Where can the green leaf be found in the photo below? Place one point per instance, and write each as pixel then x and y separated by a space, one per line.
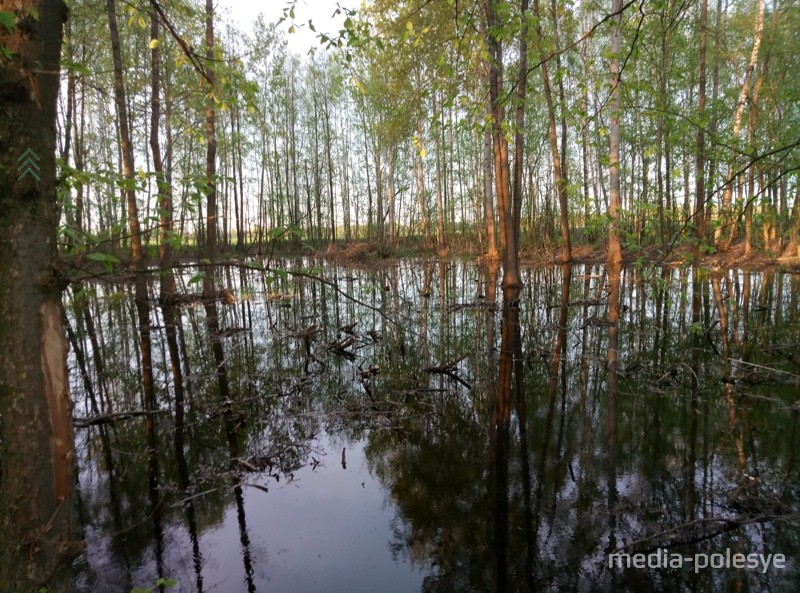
pixel 7 20
pixel 106 259
pixel 197 278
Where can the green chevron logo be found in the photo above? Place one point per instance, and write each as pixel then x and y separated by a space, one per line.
pixel 29 164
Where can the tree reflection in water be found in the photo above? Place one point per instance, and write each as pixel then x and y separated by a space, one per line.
pixel 492 444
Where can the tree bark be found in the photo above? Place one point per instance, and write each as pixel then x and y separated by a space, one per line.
pixel 391 191
pixel 36 446
pixel 441 241
pixel 488 198
pixel 558 173
pixel 508 247
pixel 614 255
pixel 699 198
pixel 741 103
pixel 519 119
pixel 211 156
pixel 329 158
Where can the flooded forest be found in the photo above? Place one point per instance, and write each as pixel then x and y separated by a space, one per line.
pixel 410 296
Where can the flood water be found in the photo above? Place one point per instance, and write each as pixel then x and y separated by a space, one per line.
pixel 410 428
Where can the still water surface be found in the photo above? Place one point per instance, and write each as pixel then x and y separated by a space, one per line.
pixel 408 428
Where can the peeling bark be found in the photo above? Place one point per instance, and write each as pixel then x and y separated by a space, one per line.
pixel 56 386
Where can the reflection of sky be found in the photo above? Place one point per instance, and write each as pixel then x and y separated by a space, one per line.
pixel 322 532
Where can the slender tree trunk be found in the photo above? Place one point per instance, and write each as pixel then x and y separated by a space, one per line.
pixel 508 248
pixel 168 286
pixel 211 157
pixel 370 213
pixel 661 129
pixel 699 204
pixel 488 198
pixel 379 191
pixel 587 196
pixel 558 173
pixel 614 249
pixel 142 301
pixel 441 240
pixel 391 190
pixel 741 103
pixel 488 189
pixel 795 236
pixel 519 120
pixel 420 182
pixel 712 161
pixel 164 190
pixel 331 196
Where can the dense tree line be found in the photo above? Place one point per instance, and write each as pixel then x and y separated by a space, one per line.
pixel 435 120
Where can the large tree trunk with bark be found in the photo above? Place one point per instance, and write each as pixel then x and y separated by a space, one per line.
pixel 36 446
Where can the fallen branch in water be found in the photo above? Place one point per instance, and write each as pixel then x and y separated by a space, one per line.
pixel 111 418
pixel 702 529
pixel 449 369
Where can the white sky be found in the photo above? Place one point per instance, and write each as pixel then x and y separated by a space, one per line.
pixel 319 11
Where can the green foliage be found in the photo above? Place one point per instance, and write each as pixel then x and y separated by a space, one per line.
pixel 197 278
pixel 108 260
pixel 8 21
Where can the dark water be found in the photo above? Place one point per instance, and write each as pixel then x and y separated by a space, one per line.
pixel 410 429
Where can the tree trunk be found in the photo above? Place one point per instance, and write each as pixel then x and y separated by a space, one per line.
pixel 164 190
pixel 739 112
pixel 662 132
pixel 37 543
pixel 488 198
pixel 614 249
pixel 699 197
pixel 558 174
pixel 329 157
pixel 370 213
pixel 508 247
pixel 420 182
pixel 141 298
pixel 379 191
pixel 795 236
pixel 519 138
pixel 391 190
pixel 211 157
pixel 441 241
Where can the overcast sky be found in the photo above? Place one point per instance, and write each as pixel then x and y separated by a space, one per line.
pixel 319 11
